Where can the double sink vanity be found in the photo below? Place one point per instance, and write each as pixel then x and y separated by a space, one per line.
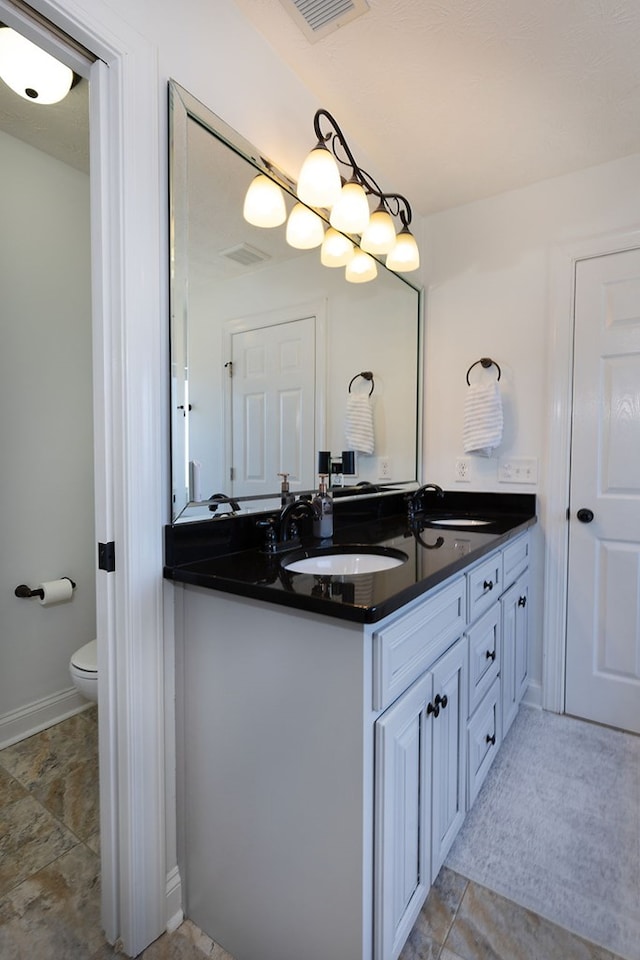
pixel 338 703
pixel 336 727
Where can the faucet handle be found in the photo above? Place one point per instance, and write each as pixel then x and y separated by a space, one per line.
pixel 268 526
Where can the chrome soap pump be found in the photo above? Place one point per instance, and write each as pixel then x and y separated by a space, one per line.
pixel 322 505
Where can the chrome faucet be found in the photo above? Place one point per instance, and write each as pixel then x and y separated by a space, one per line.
pixel 415 500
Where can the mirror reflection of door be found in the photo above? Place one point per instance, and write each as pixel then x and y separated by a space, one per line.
pixel 272 406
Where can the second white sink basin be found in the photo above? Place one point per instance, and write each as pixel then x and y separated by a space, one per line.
pixel 457 522
pixel 335 563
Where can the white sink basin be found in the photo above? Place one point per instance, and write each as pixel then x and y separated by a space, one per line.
pixel 456 522
pixel 336 564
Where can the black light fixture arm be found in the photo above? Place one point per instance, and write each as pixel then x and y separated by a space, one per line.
pixel 395 203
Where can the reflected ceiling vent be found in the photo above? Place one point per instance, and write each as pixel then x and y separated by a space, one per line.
pixel 245 254
pixel 317 18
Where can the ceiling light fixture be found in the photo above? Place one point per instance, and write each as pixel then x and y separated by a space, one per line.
pixel 31 72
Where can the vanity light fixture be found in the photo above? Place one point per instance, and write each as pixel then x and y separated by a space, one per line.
pixel 361 268
pixel 304 228
pixel 31 72
pixel 344 202
pixel 337 250
pixel 377 229
pixel 264 203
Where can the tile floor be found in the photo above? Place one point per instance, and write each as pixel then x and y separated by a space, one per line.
pixel 50 876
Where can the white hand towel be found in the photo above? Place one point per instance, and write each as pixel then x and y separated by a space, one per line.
pixel 359 423
pixel 482 431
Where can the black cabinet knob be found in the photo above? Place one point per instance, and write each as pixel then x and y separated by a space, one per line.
pixel 491 739
pixel 488 585
pixel 491 654
pixel 584 515
pixel 435 710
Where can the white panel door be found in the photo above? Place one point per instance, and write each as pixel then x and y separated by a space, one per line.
pixel 603 618
pixel 273 407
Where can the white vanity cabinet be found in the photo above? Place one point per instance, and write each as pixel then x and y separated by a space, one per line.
pixel 327 766
pixel 515 627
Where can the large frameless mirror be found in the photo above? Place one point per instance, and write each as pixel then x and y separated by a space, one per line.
pixel 268 346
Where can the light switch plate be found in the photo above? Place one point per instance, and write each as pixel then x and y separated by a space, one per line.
pixel 518 470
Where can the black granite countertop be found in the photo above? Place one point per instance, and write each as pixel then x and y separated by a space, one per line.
pixel 433 555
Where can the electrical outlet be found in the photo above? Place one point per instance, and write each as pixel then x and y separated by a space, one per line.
pixel 518 470
pixel 384 468
pixel 463 470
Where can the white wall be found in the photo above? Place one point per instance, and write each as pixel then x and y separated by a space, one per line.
pixel 490 293
pixel 46 432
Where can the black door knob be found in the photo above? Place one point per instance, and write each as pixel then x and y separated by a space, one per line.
pixel 584 515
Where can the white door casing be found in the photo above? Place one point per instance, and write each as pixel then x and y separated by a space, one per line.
pixel 603 616
pixel 273 406
pixel 130 347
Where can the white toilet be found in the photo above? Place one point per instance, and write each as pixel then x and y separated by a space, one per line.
pixel 83 668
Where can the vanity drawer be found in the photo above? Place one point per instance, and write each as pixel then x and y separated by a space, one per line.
pixel 407 646
pixel 516 557
pixel 484 585
pixel 483 740
pixel 484 655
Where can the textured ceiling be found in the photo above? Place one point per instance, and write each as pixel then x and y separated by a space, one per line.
pixel 461 99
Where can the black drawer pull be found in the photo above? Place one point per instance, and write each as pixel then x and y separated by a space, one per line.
pixel 434 710
pixel 491 654
pixel 441 701
pixel 491 739
pixel 488 585
pixel 522 602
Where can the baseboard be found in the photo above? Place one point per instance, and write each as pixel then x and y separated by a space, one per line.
pixel 533 694
pixel 174 911
pixel 37 716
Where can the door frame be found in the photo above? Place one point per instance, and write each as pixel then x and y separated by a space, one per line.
pixel 558 471
pixel 129 316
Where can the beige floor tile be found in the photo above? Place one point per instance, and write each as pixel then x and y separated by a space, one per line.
pixel 489 927
pixel 59 767
pixel 55 914
pixel 434 921
pixel 30 837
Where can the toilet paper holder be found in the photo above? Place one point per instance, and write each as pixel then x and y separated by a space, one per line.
pixel 24 591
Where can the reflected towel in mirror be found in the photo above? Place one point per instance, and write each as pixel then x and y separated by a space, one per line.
pixel 482 431
pixel 359 423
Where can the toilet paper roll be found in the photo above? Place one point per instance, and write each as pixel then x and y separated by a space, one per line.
pixel 55 591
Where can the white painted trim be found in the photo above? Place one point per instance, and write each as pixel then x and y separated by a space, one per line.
pixel 130 362
pixel 175 913
pixel 41 714
pixel 554 506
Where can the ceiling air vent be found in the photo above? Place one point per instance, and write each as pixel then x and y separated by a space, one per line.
pixel 317 18
pixel 245 254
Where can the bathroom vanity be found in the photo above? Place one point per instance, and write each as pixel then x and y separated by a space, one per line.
pixel 335 730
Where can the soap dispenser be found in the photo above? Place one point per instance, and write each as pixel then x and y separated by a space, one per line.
pixel 322 505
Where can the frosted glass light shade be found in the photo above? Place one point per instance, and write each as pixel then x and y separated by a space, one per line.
pixel 319 181
pixel 405 256
pixel 351 211
pixel 31 72
pixel 264 203
pixel 361 268
pixel 380 233
pixel 304 228
pixel 337 250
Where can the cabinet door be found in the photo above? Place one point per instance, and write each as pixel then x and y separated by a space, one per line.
pixel 448 777
pixel 402 817
pixel 515 648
